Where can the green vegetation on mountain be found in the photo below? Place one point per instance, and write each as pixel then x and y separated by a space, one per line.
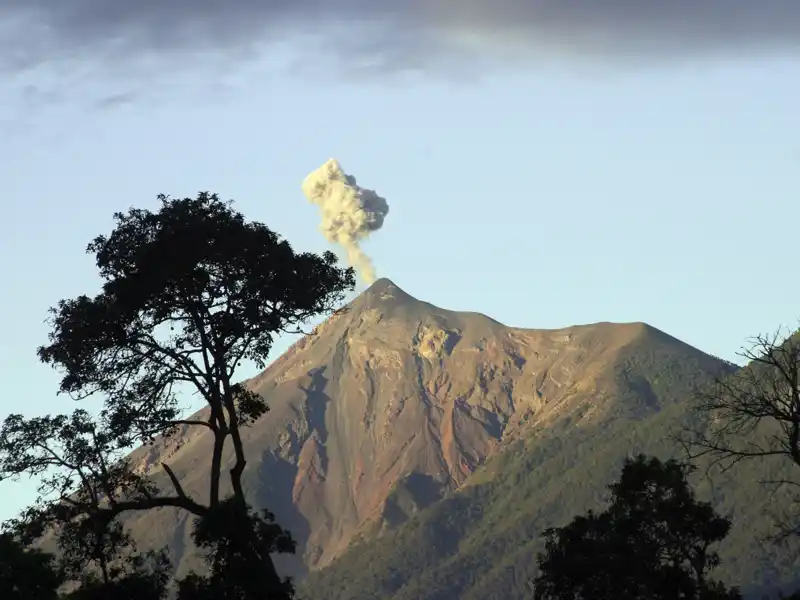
pixel 481 542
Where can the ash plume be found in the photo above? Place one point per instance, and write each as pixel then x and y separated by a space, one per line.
pixel 349 212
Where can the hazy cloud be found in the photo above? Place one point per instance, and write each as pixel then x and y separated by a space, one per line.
pixel 39 31
pixel 373 36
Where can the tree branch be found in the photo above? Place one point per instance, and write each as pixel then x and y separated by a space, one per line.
pixel 175 483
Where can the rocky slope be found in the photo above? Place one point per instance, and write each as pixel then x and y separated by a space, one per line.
pixel 393 404
pixel 481 541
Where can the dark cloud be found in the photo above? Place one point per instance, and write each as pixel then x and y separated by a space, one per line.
pixel 395 33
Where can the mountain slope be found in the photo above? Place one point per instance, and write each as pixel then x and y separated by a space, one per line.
pixel 481 541
pixel 393 404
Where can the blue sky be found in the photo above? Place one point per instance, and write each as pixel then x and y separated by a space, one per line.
pixel 544 193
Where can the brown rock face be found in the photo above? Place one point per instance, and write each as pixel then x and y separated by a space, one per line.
pixel 385 407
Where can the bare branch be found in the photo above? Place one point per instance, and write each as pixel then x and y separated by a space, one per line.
pixel 753 413
pixel 175 483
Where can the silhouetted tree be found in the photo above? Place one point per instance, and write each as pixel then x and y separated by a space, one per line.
pixel 189 292
pixel 26 574
pixel 32 574
pixel 221 534
pixel 136 577
pixel 753 412
pixel 77 461
pixel 651 543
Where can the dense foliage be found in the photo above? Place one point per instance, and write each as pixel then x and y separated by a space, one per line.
pixel 652 543
pixel 25 573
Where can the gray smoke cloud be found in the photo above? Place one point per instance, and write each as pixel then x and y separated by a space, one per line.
pixel 394 33
pixel 349 212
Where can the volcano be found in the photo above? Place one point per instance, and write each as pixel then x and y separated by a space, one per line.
pixel 393 404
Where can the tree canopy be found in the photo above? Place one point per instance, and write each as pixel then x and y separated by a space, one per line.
pixel 25 573
pixel 189 293
pixel 652 543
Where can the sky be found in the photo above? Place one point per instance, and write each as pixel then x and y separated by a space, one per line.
pixel 545 163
